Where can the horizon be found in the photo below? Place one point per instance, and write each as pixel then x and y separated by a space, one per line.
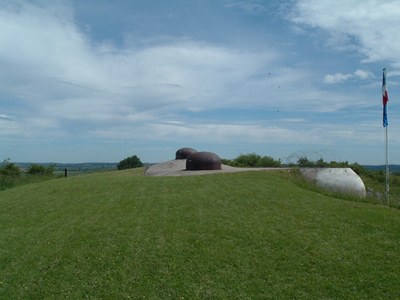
pixel 100 81
pixel 147 162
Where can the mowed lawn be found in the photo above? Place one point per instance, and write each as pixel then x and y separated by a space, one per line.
pixel 250 235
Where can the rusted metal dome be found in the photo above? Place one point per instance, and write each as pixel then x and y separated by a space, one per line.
pixel 203 161
pixel 184 153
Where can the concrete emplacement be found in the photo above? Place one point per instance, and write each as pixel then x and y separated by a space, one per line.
pixel 190 162
pixel 341 180
pixel 184 153
pixel 203 161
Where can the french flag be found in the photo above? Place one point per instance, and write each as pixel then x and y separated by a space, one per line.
pixel 385 98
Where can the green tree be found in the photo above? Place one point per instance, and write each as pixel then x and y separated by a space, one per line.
pixel 9 169
pixel 305 163
pixel 321 163
pixel 361 171
pixel 35 169
pixel 252 160
pixel 129 163
pixel 227 162
pixel 269 162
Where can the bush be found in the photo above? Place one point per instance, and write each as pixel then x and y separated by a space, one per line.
pixel 129 163
pixel 361 171
pixel 269 162
pixel 252 160
pixel 41 170
pixel 304 162
pixel 9 169
pixel 227 162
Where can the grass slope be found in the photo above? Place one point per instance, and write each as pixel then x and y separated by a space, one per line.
pixel 251 235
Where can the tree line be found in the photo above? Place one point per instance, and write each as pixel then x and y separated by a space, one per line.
pixel 10 169
pixel 252 160
pixel 10 174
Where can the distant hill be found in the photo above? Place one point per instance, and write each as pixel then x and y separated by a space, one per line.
pixel 392 168
pixel 77 165
pixel 59 165
pixel 87 167
pixel 76 168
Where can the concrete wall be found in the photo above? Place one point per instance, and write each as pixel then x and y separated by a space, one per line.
pixel 341 180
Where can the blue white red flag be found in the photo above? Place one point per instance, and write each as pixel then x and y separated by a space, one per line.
pixel 385 99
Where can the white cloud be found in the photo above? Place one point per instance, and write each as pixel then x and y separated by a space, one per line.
pixel 56 73
pixel 61 83
pixel 257 133
pixel 371 25
pixel 249 6
pixel 6 117
pixel 9 127
pixel 293 120
pixel 394 73
pixel 337 78
pixel 340 78
pixel 363 74
pixel 215 133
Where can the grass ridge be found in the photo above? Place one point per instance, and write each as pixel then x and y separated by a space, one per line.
pixel 247 235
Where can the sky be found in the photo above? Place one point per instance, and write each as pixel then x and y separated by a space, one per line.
pixel 99 80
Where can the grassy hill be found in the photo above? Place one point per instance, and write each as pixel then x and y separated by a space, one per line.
pixel 392 168
pixel 250 235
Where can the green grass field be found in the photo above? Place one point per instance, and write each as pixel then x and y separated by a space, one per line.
pixel 246 235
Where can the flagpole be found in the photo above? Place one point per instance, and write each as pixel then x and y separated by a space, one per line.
pixel 385 125
pixel 387 166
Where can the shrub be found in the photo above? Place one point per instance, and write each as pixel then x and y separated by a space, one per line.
pixel 361 171
pixel 41 170
pixel 247 160
pixel 303 162
pixel 227 162
pixel 9 169
pixel 252 160
pixel 269 162
pixel 129 163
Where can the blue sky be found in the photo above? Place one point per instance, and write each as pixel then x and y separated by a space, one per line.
pixel 97 80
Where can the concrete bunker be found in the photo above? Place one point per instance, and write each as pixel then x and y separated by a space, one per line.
pixel 184 153
pixel 203 161
pixel 341 180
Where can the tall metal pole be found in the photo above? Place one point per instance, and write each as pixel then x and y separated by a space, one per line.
pixel 387 166
pixel 385 100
